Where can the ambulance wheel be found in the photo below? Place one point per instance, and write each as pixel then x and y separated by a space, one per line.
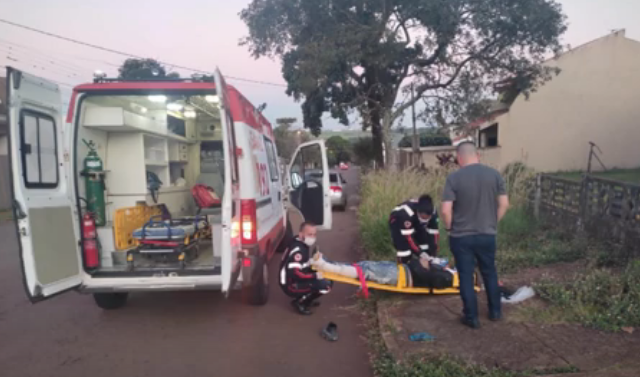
pixel 286 240
pixel 111 301
pixel 257 294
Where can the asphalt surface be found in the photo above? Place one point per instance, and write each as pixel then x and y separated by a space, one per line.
pixel 181 334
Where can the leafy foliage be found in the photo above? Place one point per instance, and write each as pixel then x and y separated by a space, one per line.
pixel 139 69
pixel 425 141
pixel 363 151
pixel 446 159
pixel 341 56
pixel 338 150
pixel 287 140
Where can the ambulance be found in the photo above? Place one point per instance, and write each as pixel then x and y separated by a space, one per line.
pixel 104 199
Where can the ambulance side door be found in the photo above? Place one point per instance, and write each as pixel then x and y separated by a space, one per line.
pixel 231 243
pixel 43 209
pixel 308 183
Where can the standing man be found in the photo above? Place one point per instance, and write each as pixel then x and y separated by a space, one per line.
pixel 474 201
pixel 297 279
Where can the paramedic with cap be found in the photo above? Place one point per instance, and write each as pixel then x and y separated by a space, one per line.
pixel 414 231
pixel 297 279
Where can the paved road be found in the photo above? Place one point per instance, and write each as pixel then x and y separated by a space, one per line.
pixel 179 334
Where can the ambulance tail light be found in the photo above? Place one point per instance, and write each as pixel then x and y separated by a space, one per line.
pixel 248 222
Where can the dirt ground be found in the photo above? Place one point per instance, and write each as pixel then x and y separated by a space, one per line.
pixel 509 344
pixel 181 333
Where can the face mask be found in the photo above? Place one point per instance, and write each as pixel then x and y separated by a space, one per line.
pixel 309 241
pixel 424 221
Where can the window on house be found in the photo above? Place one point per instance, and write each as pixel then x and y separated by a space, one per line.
pixel 489 137
pixel 38 150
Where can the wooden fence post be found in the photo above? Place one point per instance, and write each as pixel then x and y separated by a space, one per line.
pixel 538 197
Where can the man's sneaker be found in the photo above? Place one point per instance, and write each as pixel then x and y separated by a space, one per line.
pixel 495 317
pixel 314 304
pixel 300 308
pixel 472 323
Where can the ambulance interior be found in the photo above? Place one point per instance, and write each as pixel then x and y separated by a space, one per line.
pixel 154 149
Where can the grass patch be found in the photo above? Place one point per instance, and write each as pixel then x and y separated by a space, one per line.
pixel 624 175
pixel 522 242
pixel 601 298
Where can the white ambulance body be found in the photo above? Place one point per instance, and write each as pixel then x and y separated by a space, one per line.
pixel 185 132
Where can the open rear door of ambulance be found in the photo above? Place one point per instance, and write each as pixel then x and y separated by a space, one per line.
pixel 231 242
pixel 308 181
pixel 42 207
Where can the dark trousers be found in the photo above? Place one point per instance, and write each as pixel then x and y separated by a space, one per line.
pixel 308 291
pixel 467 250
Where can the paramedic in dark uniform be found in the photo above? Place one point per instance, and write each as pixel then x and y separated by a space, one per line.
pixel 415 234
pixel 297 279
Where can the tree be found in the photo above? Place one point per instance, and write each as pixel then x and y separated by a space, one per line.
pixel 363 151
pixel 338 150
pixel 139 69
pixel 287 140
pixel 341 56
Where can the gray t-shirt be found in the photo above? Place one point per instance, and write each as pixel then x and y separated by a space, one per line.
pixel 474 191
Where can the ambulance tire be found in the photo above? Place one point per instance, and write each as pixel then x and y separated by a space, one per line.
pixel 286 240
pixel 257 294
pixel 111 301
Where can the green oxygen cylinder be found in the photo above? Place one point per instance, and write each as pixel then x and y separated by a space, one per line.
pixel 93 173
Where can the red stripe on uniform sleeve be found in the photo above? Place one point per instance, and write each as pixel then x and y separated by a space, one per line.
pixel 302 275
pixel 412 244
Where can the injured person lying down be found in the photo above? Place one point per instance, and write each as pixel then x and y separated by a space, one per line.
pixel 436 273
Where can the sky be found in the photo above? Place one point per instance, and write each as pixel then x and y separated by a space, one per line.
pixel 200 34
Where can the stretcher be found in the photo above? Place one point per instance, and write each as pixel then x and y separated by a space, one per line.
pixel 162 237
pixel 404 284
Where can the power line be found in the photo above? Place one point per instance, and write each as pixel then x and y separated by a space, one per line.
pixel 126 54
pixel 53 81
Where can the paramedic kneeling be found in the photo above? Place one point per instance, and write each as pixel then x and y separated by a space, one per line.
pixel 414 231
pixel 297 279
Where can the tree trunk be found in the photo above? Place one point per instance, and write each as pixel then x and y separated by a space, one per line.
pixel 387 122
pixel 377 135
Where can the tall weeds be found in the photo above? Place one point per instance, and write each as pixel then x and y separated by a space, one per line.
pixel 383 190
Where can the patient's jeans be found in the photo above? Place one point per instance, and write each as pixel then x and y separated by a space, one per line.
pixel 467 250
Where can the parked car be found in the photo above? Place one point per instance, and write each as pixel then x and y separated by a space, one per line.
pixel 154 127
pixel 337 187
pixel 344 166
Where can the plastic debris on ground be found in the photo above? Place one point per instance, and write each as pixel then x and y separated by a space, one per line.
pixel 522 294
pixel 421 337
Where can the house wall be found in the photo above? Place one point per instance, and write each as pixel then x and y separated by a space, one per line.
pixel 488 156
pixel 595 98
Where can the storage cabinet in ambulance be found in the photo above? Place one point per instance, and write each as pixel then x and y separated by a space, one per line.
pixel 107 203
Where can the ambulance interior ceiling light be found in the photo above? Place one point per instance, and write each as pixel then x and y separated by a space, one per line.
pixel 138 108
pixel 212 99
pixel 189 114
pixel 174 106
pixel 158 99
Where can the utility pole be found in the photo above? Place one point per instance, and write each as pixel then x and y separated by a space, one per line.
pixel 415 142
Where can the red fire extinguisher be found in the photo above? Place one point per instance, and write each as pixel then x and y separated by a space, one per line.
pixel 90 241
